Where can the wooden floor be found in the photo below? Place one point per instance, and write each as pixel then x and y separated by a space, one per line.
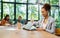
pixel 25 34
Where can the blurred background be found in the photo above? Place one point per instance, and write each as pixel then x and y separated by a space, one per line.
pixel 28 9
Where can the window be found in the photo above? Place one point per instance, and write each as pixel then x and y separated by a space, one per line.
pixel 59 4
pixel 0 11
pixel 43 1
pixel 8 0
pixel 21 1
pixel 28 9
pixel 54 2
pixel 40 12
pixel 33 12
pixel 54 12
pixel 8 9
pixel 21 11
pixel 32 1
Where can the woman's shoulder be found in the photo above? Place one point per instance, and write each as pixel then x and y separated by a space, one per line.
pixel 51 18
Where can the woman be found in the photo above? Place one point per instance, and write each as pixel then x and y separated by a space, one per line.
pixel 5 20
pixel 47 23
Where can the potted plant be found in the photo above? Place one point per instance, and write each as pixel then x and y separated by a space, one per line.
pixel 57 30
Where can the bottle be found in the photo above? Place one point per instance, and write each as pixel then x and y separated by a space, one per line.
pixel 18 25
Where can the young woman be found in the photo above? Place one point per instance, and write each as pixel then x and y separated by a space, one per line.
pixel 47 23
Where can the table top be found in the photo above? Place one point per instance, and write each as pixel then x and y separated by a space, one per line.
pixel 13 32
pixel 26 34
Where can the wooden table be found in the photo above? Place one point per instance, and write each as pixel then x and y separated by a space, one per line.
pixel 25 34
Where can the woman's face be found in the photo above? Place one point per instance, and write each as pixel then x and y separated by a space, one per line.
pixel 44 12
pixel 8 18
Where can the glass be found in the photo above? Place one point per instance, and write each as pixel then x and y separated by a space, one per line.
pixel 40 12
pixel 21 11
pixel 54 2
pixel 58 20
pixel 59 3
pixel 55 12
pixel 32 1
pixel 8 0
pixel 33 12
pixel 43 1
pixel 8 9
pixel 21 1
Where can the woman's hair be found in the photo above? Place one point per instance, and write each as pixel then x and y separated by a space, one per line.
pixel 6 17
pixel 20 16
pixel 47 7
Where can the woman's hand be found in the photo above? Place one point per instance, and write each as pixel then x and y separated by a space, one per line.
pixel 40 29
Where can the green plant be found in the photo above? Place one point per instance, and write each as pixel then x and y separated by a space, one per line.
pixel 58 23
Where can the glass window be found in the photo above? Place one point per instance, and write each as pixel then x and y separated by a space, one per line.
pixel 32 1
pixel 54 2
pixel 0 11
pixel 8 0
pixel 8 9
pixel 21 11
pixel 33 12
pixel 54 12
pixel 59 3
pixel 21 1
pixel 43 1
pixel 40 11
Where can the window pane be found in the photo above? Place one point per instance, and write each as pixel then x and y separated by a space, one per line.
pixel 21 1
pixel 54 12
pixel 8 9
pixel 43 1
pixel 54 2
pixel 0 11
pixel 33 12
pixel 59 15
pixel 59 3
pixel 32 1
pixel 40 12
pixel 21 11
pixel 8 0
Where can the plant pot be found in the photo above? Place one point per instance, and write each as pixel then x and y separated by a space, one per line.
pixel 57 31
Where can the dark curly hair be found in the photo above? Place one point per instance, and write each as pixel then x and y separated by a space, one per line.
pixel 47 7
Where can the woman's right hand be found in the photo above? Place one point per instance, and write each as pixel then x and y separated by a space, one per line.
pixel 40 29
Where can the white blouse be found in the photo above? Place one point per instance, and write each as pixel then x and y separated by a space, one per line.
pixel 44 25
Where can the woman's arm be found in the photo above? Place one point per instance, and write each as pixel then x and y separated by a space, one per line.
pixel 3 22
pixel 52 28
